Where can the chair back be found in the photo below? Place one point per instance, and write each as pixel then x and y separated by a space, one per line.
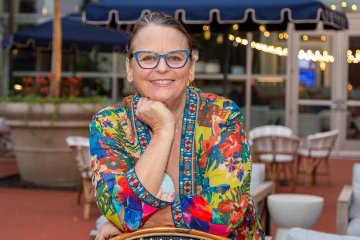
pixel 167 233
pixel 81 146
pixel 270 130
pixel 284 145
pixel 323 141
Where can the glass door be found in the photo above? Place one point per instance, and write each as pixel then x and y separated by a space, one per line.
pixel 312 91
pixel 350 106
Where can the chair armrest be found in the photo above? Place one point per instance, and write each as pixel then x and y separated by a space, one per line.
pixel 262 191
pixel 93 234
pixel 4 131
pixel 343 205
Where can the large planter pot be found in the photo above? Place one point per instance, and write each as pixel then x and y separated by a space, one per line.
pixel 38 133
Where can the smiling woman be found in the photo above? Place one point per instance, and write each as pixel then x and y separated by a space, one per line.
pixel 171 155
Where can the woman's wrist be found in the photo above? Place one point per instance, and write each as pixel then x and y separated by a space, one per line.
pixel 164 134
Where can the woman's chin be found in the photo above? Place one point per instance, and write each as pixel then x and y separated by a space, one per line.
pixel 167 99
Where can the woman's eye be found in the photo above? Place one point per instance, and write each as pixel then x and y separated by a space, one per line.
pixel 148 58
pixel 174 58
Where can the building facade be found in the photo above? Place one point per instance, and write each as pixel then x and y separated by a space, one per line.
pixel 307 80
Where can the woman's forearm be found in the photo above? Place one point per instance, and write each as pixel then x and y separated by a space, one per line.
pixel 151 166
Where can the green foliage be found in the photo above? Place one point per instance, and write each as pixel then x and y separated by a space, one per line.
pixel 32 99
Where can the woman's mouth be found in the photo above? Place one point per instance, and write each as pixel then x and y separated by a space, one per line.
pixel 162 82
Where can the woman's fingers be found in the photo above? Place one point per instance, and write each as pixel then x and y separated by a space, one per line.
pixel 107 230
pixel 154 113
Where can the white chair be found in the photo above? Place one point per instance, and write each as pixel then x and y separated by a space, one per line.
pixel 305 234
pixel 278 152
pixel 348 206
pixel 269 130
pixel 259 191
pixel 82 147
pixel 319 147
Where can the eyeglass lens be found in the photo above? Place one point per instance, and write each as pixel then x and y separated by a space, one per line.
pixel 174 59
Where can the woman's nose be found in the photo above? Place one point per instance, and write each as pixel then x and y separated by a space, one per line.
pixel 162 66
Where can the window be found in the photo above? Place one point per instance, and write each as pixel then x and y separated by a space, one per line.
pixel 27 6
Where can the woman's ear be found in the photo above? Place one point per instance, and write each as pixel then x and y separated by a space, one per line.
pixel 129 70
pixel 192 70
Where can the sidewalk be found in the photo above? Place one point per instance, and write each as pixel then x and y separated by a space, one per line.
pixel 42 214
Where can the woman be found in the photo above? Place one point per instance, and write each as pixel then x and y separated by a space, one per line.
pixel 171 155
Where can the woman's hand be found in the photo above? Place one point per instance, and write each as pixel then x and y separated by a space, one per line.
pixel 107 230
pixel 156 115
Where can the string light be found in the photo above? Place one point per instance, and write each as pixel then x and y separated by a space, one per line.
pixel 316 56
pixel 44 11
pixel 267 34
pixel 235 27
pixel 351 58
pixel 269 48
pixel 343 4
pixel 323 38
pixel 220 39
pixel 309 55
pixel 354 7
pixel 18 87
pixel 262 28
pixel 333 7
pixel 322 66
pixel 206 27
pixel 207 35
pixel 305 37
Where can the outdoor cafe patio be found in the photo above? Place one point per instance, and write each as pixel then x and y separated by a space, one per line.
pixel 40 213
pixel 32 211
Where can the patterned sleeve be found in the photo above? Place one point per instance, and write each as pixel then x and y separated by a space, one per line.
pixel 118 192
pixel 225 206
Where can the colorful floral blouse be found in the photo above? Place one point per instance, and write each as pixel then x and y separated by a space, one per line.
pixel 214 174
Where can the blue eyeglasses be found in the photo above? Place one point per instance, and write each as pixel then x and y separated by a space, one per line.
pixel 150 60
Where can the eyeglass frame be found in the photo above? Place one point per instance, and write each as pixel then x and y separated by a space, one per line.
pixel 136 54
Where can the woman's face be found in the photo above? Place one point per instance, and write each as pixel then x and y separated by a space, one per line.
pixel 162 83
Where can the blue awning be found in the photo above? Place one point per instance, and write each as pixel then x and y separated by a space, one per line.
pixel 76 36
pixel 304 13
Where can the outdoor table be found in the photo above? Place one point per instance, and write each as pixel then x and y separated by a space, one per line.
pixel 294 210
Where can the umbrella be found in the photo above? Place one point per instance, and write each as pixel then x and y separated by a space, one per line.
pixel 76 36
pixel 304 13
pixel 248 14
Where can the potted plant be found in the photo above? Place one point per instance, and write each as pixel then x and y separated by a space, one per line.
pixel 39 126
pixel 40 119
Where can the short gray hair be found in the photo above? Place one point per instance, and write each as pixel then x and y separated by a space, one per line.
pixel 160 19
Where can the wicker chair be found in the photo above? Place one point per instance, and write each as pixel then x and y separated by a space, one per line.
pixel 319 148
pixel 277 152
pixel 269 130
pixel 167 233
pixel 82 147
